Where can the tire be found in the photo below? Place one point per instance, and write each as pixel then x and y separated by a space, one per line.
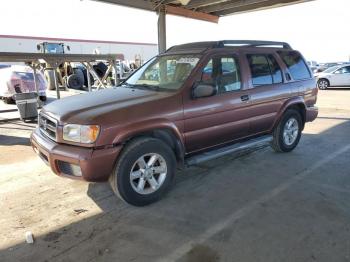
pixel 126 187
pixel 279 143
pixel 86 74
pixel 43 98
pixel 323 84
pixel 50 78
pixel 74 82
pixel 80 74
pixel 100 69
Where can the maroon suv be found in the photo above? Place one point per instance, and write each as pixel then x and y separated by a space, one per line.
pixel 193 103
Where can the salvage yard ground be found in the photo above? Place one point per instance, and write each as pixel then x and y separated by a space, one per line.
pixel 262 206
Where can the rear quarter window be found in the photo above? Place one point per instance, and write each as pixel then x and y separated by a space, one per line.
pixel 296 64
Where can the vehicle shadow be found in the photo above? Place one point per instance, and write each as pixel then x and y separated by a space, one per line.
pixel 14 140
pixel 203 195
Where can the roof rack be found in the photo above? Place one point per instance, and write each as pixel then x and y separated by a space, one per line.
pixel 203 46
pixel 254 43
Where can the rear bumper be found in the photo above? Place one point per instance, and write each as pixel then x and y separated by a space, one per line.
pixel 93 165
pixel 311 113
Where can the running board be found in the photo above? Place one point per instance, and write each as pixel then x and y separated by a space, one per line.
pixel 238 147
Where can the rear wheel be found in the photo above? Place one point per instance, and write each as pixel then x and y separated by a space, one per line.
pixel 144 171
pixel 287 134
pixel 323 84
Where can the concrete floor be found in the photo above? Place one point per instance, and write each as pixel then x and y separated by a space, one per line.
pixel 262 206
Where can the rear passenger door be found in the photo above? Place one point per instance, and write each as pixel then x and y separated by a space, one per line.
pixel 267 92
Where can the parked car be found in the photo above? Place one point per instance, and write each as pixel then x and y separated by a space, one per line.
pixel 20 79
pixel 215 99
pixel 334 76
pixel 323 66
pixel 313 66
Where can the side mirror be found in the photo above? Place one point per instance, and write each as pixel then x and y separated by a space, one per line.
pixel 68 47
pixel 203 90
pixel 38 47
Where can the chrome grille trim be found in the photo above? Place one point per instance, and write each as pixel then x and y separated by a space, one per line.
pixel 48 126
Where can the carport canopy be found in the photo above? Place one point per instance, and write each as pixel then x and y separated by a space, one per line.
pixel 207 10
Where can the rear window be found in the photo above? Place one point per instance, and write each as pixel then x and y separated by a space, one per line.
pixel 296 64
pixel 265 70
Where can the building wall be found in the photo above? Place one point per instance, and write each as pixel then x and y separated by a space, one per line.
pixel 79 46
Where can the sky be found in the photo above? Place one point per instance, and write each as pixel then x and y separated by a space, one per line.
pixel 319 29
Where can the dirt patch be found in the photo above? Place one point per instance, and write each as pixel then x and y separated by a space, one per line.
pixel 15 154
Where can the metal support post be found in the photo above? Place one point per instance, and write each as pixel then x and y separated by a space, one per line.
pixel 115 69
pixel 161 30
pixel 88 78
pixel 56 83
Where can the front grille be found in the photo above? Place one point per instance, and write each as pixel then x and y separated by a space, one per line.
pixel 48 126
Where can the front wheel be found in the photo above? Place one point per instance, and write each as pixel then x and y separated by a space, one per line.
pixel 287 134
pixel 144 171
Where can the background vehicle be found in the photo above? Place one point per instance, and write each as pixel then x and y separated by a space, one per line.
pixel 313 65
pixel 334 76
pixel 20 79
pixel 191 104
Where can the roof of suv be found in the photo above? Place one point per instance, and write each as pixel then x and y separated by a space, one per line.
pixel 199 47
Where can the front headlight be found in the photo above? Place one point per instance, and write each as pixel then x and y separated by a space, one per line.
pixel 85 134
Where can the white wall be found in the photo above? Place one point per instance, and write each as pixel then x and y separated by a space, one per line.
pixel 129 50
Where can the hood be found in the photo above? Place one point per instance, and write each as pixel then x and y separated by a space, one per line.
pixel 322 74
pixel 86 108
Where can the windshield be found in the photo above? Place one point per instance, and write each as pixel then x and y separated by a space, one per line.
pixel 54 48
pixel 164 72
pixel 331 69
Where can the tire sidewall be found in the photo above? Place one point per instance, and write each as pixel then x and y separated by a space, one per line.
pixel 126 163
pixel 288 115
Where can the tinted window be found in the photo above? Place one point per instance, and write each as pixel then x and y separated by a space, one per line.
pixel 260 69
pixel 224 73
pixel 346 70
pixel 275 70
pixel 296 64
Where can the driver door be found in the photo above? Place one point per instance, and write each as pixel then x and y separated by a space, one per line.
pixel 223 117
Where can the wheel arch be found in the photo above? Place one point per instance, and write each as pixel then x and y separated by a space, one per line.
pixel 297 104
pixel 166 132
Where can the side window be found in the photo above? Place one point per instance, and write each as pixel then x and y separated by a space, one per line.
pixel 224 73
pixel 346 70
pixel 296 64
pixel 260 69
pixel 275 70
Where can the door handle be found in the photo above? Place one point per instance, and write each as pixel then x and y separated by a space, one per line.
pixel 245 98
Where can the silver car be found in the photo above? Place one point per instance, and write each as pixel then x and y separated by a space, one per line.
pixel 334 76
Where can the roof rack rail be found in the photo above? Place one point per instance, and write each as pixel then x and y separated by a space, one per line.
pixel 255 43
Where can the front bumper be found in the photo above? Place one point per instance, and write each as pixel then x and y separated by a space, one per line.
pixel 311 113
pixel 93 165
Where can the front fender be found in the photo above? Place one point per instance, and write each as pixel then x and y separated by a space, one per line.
pixel 147 126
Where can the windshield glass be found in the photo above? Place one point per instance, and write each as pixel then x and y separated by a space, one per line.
pixel 54 48
pixel 331 69
pixel 164 72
